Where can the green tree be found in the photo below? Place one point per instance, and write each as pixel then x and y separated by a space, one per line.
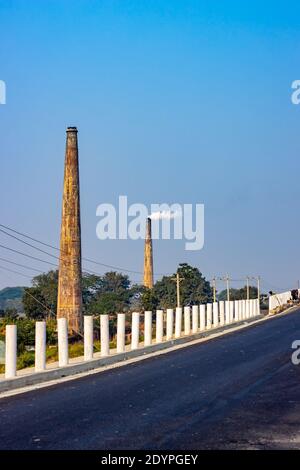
pixel 41 299
pixel 239 294
pixel 194 288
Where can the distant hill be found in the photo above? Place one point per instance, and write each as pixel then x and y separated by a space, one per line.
pixel 11 297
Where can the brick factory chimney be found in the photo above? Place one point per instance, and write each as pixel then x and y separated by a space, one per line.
pixel 69 301
pixel 148 257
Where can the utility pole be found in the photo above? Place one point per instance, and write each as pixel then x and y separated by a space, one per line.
pixel 258 288
pixel 214 289
pixel 178 280
pixel 227 279
pixel 248 291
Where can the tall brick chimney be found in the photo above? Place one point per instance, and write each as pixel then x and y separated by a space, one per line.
pixel 148 257
pixel 69 302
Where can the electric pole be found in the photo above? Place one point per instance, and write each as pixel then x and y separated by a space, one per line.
pixel 178 280
pixel 248 291
pixel 227 279
pixel 214 289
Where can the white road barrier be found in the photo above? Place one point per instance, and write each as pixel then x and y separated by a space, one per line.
pixel 202 317
pixel 40 346
pixel 178 322
pixel 148 328
pixel 170 324
pixel 222 312
pixel 227 312
pixel 62 337
pixel 135 330
pixel 215 314
pixel 187 321
pixel 208 316
pixel 10 351
pixel 195 310
pixel 198 319
pixel 121 320
pixel 236 310
pixel 159 326
pixel 88 330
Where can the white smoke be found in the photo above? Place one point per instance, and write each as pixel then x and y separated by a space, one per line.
pixel 167 215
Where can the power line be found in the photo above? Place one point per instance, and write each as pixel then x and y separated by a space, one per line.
pixel 117 268
pixel 28 256
pixel 15 272
pixel 21 265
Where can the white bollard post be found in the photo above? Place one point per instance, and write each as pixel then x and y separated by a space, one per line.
pixel 222 312
pixel 236 310
pixel 159 326
pixel 227 312
pixel 202 317
pixel 104 335
pixel 10 351
pixel 187 320
pixel 231 310
pixel 215 314
pixel 148 329
pixel 170 324
pixel 247 309
pixel 208 316
pixel 178 322
pixel 40 346
pixel 88 329
pixel 244 308
pixel 62 336
pixel 135 330
pixel 240 310
pixel 121 333
pixel 254 307
pixel 195 318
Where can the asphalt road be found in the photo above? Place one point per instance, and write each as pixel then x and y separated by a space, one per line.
pixel 240 391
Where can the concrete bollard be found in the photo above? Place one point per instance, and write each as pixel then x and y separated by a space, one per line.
pixel 88 329
pixel 170 324
pixel 202 322
pixel 236 310
pixel 104 335
pixel 240 310
pixel 231 311
pixel 244 309
pixel 121 332
pixel 254 307
pixel 227 312
pixel 195 318
pixel 247 309
pixel 40 346
pixel 178 322
pixel 187 320
pixel 222 312
pixel 208 316
pixel 258 307
pixel 135 330
pixel 148 328
pixel 159 326
pixel 62 336
pixel 10 351
pixel 215 314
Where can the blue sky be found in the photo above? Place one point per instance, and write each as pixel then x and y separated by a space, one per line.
pixel 175 101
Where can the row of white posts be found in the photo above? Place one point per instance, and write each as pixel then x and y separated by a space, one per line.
pixel 195 319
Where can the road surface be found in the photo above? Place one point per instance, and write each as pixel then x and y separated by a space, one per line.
pixel 239 391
